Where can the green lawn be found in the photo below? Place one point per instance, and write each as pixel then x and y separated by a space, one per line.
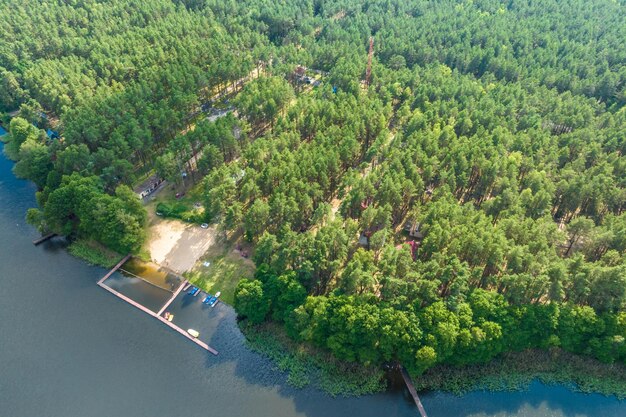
pixel 186 204
pixel 225 271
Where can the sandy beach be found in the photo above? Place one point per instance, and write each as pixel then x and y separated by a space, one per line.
pixel 177 245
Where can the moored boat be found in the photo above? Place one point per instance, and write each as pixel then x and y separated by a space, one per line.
pixel 193 332
pixel 214 301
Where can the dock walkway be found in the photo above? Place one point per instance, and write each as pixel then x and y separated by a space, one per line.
pixel 43 238
pixel 409 384
pixel 161 319
pixel 152 313
pixel 180 288
pixel 115 268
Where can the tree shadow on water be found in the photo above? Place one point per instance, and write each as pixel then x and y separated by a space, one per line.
pixel 255 370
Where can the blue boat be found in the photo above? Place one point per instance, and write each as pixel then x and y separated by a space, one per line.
pixel 207 299
pixel 214 299
pixel 193 291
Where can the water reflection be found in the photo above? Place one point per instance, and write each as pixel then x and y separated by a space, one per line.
pixel 151 273
pixel 138 290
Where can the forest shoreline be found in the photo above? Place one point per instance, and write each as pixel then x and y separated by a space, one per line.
pixel 511 371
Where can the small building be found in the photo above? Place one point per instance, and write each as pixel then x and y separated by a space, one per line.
pixel 363 240
pixel 414 245
pixel 300 71
pixel 413 228
pixel 52 134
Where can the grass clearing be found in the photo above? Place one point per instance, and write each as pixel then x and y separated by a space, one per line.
pixel 227 267
pixel 184 208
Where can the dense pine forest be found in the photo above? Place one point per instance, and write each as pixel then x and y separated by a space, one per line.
pixel 464 200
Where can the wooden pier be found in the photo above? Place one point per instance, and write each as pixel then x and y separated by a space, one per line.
pixel 172 298
pixel 187 335
pixel 43 238
pixel 412 391
pixel 115 268
pixel 128 300
pixel 146 310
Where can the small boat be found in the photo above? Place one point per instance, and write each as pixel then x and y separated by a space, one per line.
pixel 207 299
pixel 194 291
pixel 215 299
pixel 168 316
pixel 193 332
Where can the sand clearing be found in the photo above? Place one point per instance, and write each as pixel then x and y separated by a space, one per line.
pixel 177 245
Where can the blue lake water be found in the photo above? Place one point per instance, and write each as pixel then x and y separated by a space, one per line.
pixel 69 348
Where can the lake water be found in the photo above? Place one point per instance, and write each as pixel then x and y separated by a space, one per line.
pixel 68 348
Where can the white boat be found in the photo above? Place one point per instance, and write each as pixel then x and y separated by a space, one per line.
pixel 193 332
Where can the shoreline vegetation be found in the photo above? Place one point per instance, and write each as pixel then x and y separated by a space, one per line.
pixel 93 253
pixel 516 370
pixel 306 365
pixel 512 371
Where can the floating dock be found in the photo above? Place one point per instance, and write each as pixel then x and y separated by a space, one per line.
pixel 178 291
pixel 115 268
pixel 412 391
pixel 160 318
pixel 128 300
pixel 152 313
pixel 188 336
pixel 43 238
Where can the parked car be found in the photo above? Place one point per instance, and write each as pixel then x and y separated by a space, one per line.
pixel 204 225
